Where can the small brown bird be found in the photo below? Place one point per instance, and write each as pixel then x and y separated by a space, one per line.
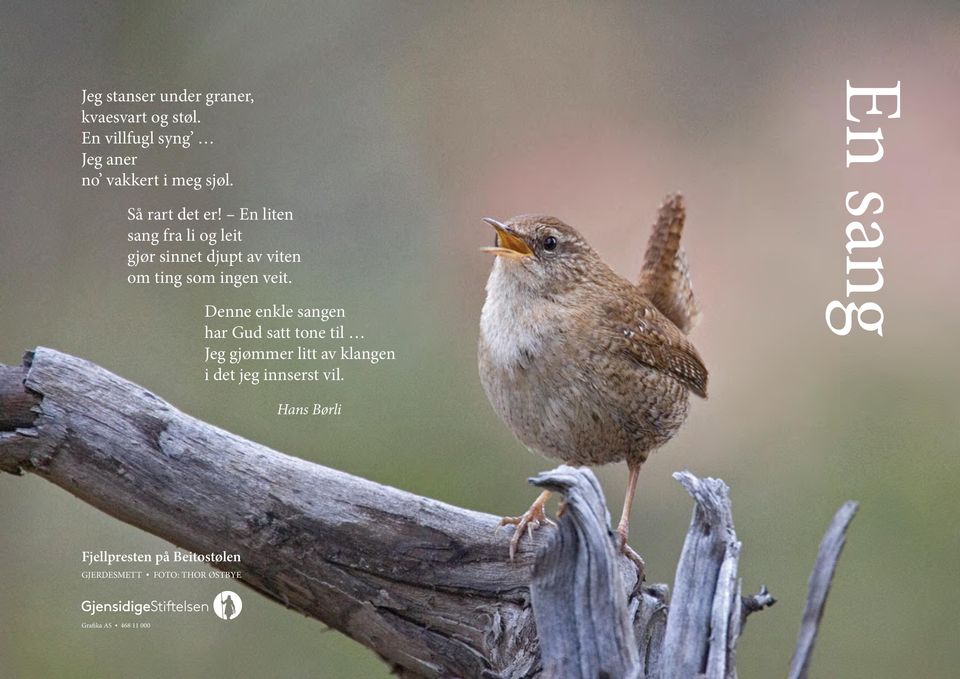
pixel 580 363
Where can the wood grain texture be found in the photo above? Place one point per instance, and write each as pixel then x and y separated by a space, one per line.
pixel 16 402
pixel 704 621
pixel 426 585
pixel 580 571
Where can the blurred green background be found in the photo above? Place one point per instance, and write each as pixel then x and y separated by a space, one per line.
pixel 390 129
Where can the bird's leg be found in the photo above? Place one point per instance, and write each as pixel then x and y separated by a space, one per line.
pixel 532 519
pixel 623 528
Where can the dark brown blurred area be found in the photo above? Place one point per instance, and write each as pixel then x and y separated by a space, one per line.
pixel 390 129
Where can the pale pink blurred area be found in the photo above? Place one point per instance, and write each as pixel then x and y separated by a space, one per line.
pixel 765 185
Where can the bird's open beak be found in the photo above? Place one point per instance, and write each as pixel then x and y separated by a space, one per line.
pixel 508 243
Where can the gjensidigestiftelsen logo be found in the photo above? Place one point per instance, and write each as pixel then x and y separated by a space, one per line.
pixel 227 605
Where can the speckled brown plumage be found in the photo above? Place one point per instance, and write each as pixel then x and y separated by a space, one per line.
pixel 580 363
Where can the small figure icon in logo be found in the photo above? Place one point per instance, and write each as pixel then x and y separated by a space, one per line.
pixel 227 605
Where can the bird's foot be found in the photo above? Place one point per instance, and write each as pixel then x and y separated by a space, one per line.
pixel 532 519
pixel 635 557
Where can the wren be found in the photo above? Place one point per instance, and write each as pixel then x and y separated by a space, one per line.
pixel 581 364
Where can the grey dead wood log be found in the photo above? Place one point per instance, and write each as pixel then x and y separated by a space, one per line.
pixel 578 594
pixel 426 585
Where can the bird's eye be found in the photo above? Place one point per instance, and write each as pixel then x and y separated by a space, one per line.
pixel 550 243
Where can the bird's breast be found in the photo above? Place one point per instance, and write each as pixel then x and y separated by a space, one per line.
pixel 511 328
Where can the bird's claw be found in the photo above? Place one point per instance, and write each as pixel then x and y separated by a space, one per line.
pixel 528 522
pixel 634 556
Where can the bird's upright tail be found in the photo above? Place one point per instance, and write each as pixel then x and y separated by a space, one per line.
pixel 665 278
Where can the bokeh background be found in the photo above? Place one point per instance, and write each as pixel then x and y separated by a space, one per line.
pixel 390 129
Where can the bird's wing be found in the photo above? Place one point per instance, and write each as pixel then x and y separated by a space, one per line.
pixel 665 278
pixel 646 335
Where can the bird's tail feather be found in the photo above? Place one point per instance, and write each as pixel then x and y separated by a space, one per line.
pixel 665 278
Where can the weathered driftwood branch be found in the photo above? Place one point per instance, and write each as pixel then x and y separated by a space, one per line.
pixel 426 585
pixel 578 596
pixel 819 586
pixel 704 621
